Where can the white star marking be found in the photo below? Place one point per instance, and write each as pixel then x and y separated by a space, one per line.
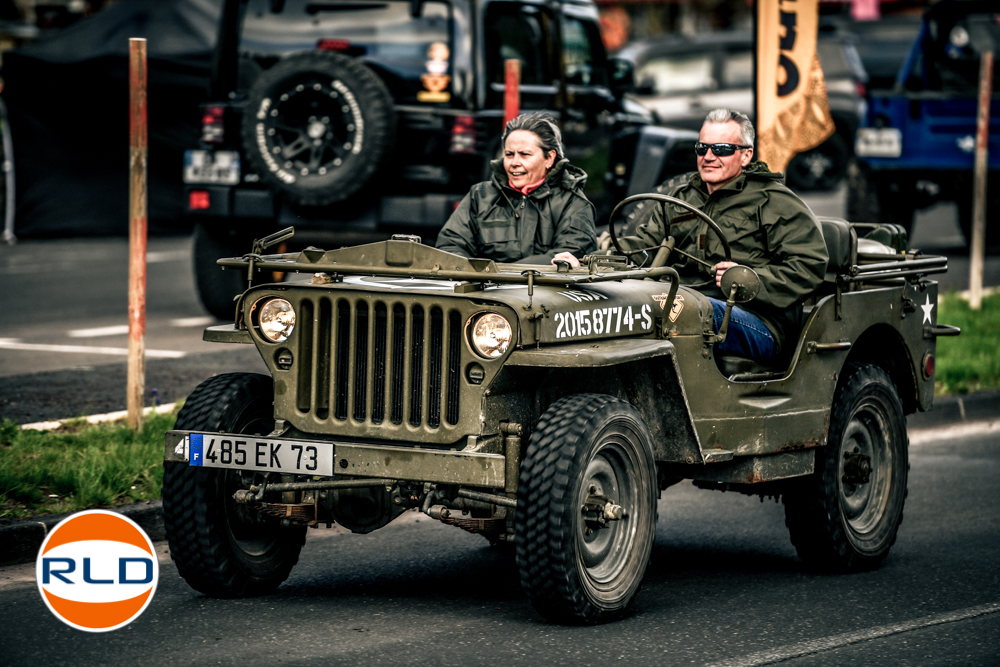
pixel 927 308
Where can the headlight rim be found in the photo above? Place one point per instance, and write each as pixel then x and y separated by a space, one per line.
pixel 471 337
pixel 257 309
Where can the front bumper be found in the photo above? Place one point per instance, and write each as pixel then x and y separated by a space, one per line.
pixel 325 458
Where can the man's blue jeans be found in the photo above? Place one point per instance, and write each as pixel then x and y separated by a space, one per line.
pixel 746 335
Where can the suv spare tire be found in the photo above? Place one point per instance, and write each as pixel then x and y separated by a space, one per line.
pixel 317 126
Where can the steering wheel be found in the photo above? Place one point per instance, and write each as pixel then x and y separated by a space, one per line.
pixel 673 200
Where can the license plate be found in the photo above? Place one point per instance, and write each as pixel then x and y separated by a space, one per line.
pixel 294 457
pixel 220 167
pixel 878 142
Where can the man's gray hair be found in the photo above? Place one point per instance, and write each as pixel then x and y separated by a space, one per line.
pixel 725 115
pixel 543 126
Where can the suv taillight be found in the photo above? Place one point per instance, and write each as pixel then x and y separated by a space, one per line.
pixel 463 135
pixel 861 89
pixel 213 130
pixel 338 45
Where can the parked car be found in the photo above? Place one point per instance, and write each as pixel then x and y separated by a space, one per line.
pixel 917 145
pixel 681 78
pixel 354 120
pixel 882 44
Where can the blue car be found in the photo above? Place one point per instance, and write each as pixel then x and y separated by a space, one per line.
pixel 917 144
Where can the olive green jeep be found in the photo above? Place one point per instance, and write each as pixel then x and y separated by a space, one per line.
pixel 545 407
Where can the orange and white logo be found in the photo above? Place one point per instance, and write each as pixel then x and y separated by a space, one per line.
pixel 97 571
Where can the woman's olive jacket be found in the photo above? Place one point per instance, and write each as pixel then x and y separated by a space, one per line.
pixel 497 222
pixel 768 228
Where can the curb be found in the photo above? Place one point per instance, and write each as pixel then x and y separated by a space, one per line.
pixel 982 406
pixel 21 540
pixel 98 419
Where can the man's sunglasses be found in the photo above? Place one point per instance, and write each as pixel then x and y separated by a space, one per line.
pixel 720 150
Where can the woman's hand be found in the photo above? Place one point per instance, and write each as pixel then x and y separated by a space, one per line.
pixel 567 257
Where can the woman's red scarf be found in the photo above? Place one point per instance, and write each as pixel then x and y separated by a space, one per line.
pixel 527 188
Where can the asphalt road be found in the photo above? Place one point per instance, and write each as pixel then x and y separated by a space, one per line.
pixel 63 339
pixel 724 588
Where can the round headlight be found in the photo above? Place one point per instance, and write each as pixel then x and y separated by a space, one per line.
pixel 491 334
pixel 276 319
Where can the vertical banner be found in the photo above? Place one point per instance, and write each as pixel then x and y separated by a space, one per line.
pixel 792 111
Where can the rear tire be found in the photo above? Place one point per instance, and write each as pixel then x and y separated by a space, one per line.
pixel 218 288
pixel 569 574
pixel 873 199
pixel 821 168
pixel 836 521
pixel 223 549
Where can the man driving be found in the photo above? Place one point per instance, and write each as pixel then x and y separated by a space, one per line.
pixel 768 229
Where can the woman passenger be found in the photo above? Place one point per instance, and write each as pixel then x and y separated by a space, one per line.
pixel 533 210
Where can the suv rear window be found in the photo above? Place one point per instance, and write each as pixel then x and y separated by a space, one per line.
pixel 384 34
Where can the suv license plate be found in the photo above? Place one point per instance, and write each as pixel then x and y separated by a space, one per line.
pixel 878 142
pixel 294 457
pixel 221 167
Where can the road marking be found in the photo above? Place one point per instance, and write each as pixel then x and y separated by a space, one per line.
pixel 159 256
pixel 192 321
pixel 122 329
pixel 956 431
pixel 116 330
pixel 15 344
pixel 792 651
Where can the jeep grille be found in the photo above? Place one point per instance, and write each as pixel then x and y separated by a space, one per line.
pixel 377 361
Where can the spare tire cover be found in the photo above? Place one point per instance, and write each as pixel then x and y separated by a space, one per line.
pixel 317 127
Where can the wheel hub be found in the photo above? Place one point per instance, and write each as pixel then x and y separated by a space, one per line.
pixel 316 129
pixel 857 468
pixel 598 510
pixel 311 130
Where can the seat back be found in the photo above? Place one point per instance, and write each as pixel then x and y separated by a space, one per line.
pixel 840 243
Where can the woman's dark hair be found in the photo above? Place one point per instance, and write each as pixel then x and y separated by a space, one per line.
pixel 543 126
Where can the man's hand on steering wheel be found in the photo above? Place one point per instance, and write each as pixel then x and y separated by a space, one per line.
pixel 719 269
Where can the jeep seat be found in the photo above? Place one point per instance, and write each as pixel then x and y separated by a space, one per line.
pixel 841 242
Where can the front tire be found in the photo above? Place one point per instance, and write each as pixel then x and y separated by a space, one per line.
pixel 572 570
pixel 223 549
pixel 846 515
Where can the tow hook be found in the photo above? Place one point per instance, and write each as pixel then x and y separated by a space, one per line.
pixel 857 468
pixel 598 510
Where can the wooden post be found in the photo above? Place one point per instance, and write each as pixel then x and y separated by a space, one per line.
pixel 978 245
pixel 512 90
pixel 137 229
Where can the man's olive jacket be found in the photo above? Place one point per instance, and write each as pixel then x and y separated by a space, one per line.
pixel 499 223
pixel 768 228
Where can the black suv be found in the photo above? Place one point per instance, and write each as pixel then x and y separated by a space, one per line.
pixel 355 120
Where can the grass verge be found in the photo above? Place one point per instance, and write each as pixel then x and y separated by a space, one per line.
pixel 969 362
pixel 79 466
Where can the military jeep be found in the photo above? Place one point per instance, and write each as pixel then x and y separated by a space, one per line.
pixel 545 408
